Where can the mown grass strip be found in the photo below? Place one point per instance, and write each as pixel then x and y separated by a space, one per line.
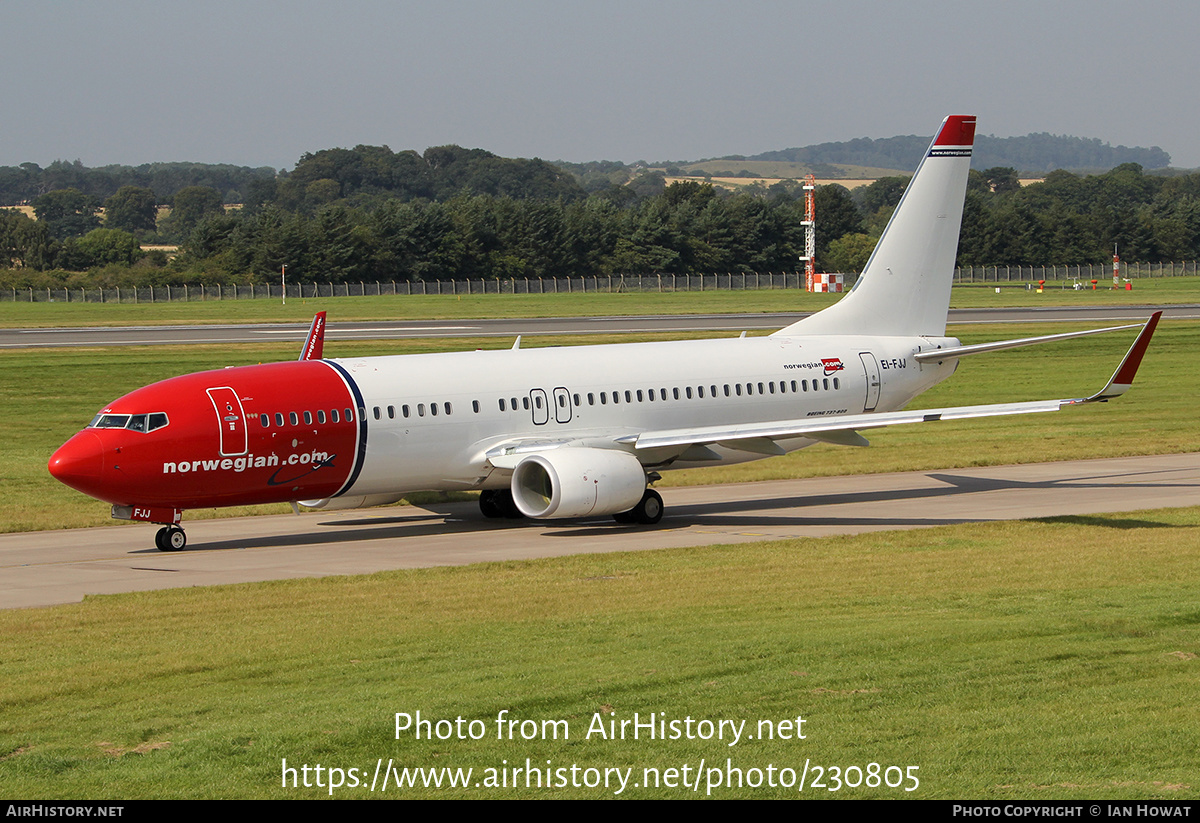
pixel 1022 660
pixel 598 304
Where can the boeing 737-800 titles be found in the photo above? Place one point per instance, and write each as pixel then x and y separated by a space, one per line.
pixel 558 432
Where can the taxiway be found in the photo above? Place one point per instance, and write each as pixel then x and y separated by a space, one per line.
pixel 46 568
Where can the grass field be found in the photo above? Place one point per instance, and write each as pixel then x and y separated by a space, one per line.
pixel 1045 659
pixel 40 315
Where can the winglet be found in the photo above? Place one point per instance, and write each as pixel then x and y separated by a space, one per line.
pixel 1122 378
pixel 314 345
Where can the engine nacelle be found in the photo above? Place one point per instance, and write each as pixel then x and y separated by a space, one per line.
pixel 579 482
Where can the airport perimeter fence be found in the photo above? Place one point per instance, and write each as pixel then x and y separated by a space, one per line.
pixel 1067 274
pixel 549 285
pixel 748 281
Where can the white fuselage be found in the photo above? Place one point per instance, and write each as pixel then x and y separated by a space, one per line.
pixel 486 398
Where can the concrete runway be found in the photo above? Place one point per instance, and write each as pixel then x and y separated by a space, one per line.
pixel 384 330
pixel 45 568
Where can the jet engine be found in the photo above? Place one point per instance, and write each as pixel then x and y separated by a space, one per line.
pixel 577 482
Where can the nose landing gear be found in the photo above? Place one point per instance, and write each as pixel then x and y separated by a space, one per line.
pixel 170 539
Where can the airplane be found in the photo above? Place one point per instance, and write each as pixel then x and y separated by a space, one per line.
pixel 562 432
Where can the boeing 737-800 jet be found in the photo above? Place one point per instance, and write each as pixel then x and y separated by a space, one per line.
pixel 558 432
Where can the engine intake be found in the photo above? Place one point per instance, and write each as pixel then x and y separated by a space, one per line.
pixel 579 482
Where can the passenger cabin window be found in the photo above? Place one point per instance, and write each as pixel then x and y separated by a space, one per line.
pixel 320 416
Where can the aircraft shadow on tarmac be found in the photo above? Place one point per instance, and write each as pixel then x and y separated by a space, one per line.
pixel 464 518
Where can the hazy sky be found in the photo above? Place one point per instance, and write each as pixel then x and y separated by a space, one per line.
pixel 260 83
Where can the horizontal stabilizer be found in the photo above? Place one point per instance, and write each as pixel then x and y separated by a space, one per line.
pixel 938 355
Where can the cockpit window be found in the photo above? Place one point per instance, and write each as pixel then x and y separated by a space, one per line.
pixel 133 422
pixel 110 421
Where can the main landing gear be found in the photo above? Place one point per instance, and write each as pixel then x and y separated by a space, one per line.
pixel 496 503
pixel 170 539
pixel 647 512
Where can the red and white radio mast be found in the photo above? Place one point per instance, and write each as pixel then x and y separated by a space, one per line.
pixel 810 230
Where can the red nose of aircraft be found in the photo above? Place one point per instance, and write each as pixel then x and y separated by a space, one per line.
pixel 79 463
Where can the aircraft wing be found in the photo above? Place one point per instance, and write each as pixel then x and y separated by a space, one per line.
pixel 761 437
pixel 507 454
pixel 840 429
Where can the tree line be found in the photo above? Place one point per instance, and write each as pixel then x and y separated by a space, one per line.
pixel 372 214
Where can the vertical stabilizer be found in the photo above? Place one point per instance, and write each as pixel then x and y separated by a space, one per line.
pixel 905 287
